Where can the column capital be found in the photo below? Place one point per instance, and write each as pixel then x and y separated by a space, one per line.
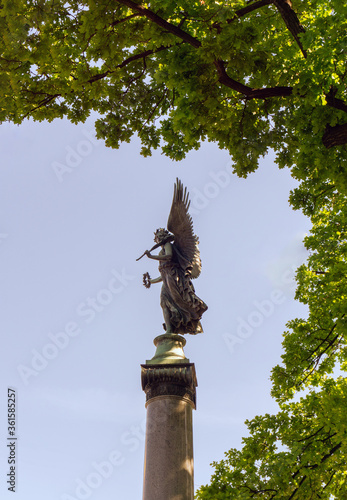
pixel 163 380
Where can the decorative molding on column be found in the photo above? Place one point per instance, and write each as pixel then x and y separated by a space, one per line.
pixel 177 380
pixel 169 350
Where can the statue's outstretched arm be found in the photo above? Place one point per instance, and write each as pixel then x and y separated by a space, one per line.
pixel 166 256
pixel 156 280
pixel 147 281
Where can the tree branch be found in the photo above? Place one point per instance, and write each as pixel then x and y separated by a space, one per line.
pixel 171 28
pixel 44 102
pixel 335 136
pixel 222 75
pixel 296 489
pixel 285 9
pixel 334 102
pixel 312 435
pixel 292 21
pixel 248 91
pixel 331 477
pixel 323 341
pixel 250 8
pixel 119 21
pixel 326 456
pixel 224 79
pixel 315 362
pixel 135 57
pixel 154 109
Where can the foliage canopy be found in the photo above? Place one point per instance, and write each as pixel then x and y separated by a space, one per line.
pixel 250 76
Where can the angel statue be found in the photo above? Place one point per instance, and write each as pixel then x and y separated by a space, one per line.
pixel 179 263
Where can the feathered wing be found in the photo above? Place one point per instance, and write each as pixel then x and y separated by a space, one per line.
pixel 180 224
pixel 196 270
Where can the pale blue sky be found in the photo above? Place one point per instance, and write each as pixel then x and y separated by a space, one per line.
pixel 74 216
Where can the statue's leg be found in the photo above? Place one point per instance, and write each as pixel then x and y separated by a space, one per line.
pixel 166 314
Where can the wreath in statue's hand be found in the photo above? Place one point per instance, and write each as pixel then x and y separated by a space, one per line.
pixel 146 280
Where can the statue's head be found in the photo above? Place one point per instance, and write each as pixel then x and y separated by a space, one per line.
pixel 161 235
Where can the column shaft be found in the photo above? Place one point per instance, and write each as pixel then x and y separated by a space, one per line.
pixel 169 466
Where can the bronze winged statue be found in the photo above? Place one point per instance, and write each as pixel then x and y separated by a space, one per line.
pixel 179 263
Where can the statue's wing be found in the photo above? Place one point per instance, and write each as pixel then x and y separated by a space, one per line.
pixel 180 224
pixel 196 270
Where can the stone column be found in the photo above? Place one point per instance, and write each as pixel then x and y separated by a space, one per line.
pixel 169 381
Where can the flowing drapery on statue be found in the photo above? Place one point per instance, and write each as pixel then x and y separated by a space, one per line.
pixel 179 263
